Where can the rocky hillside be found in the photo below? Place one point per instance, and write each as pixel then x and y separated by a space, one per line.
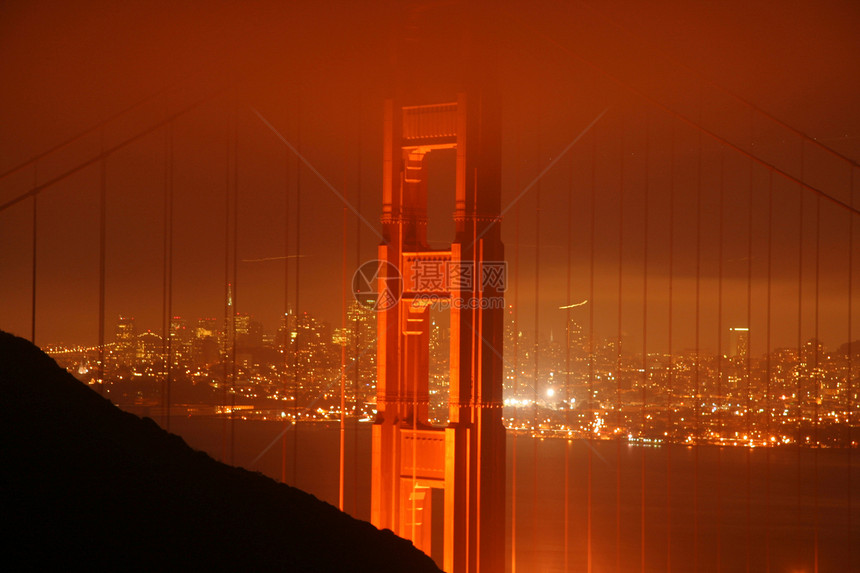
pixel 84 484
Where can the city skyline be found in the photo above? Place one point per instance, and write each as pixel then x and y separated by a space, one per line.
pixel 576 392
pixel 728 335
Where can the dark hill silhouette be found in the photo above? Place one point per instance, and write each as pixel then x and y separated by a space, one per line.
pixel 86 485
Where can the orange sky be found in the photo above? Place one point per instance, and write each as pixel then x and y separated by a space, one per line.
pixel 318 74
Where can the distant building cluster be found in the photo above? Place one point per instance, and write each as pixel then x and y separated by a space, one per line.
pixel 236 364
pixel 577 385
pixel 574 385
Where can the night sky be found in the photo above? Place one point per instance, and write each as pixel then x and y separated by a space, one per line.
pixel 722 229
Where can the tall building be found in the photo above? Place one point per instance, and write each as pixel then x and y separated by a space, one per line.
pixel 206 327
pixel 242 326
pixel 180 341
pixel 359 338
pixel 205 349
pixel 249 332
pixel 573 370
pixel 576 339
pixel 287 331
pixel 126 340
pixel 739 343
pixel 229 320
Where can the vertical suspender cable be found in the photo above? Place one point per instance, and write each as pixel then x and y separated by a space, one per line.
pixel 536 342
pixel 747 366
pixel 720 389
pixel 34 251
pixel 228 301
pixel 619 422
pixel 516 358
pixel 850 444
pixel 342 441
pixel 671 375
pixel 748 374
pixel 817 375
pixel 169 268
pixel 644 336
pixel 719 402
pixel 474 367
pixel 235 267
pixel 167 292
pixel 230 242
pixel 342 430
pixel 591 244
pixel 768 366
pixel 568 420
pixel 357 350
pixel 102 250
pixel 799 367
pixel 297 340
pixel 286 322
pixel 355 355
pixel 697 391
pixel 165 272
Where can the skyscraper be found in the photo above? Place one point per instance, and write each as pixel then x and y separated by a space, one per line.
pixel 205 349
pixel 739 343
pixel 126 340
pixel 180 341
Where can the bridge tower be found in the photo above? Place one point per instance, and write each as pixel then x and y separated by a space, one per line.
pixel 443 488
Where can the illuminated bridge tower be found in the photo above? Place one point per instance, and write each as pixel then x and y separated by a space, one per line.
pixel 443 488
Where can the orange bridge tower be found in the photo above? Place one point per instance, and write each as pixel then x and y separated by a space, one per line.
pixel 443 488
